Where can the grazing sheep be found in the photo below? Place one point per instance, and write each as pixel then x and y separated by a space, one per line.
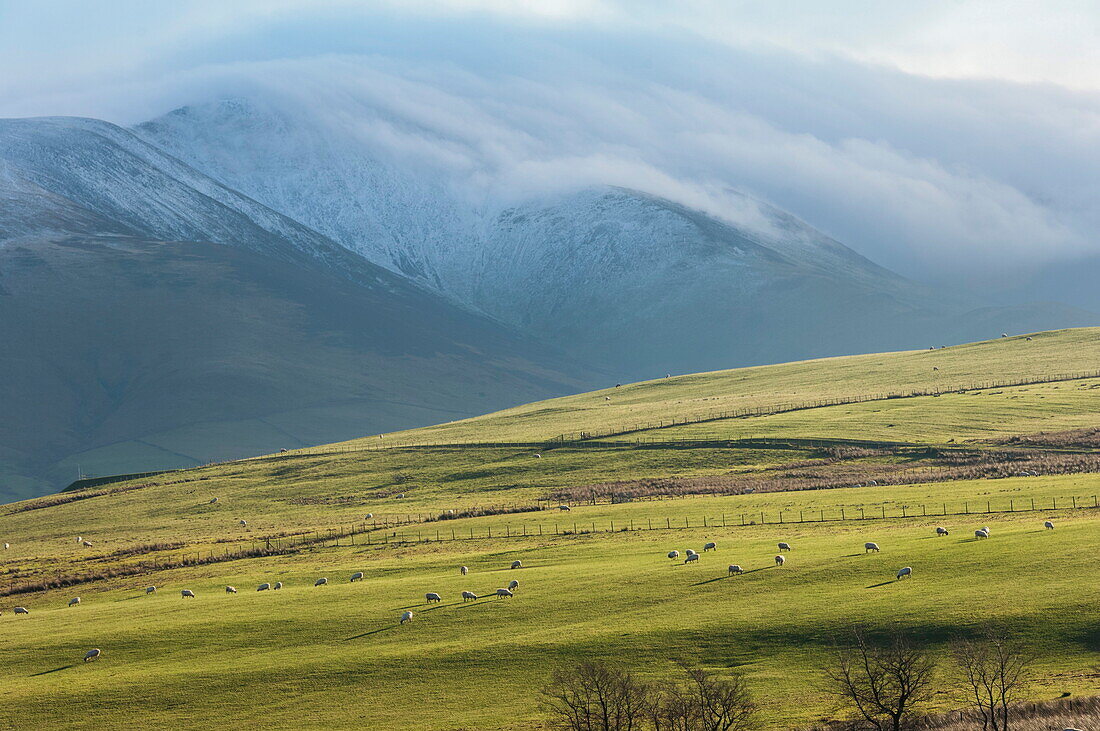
pixel 712 546
pixel 464 570
pixel 230 590
pixel 503 594
pixel 564 507
pixel 406 617
pixel 187 593
pixel 517 564
pixel 79 539
pixel 691 557
pixel 357 576
pixel 1028 339
pixel 213 500
pixel 784 546
pixel 21 610
pixel 690 552
pixel 320 582
pixel 243 523
pixel 1004 335
pixel 92 655
pixel 1048 525
pixel 513 585
pixel 735 569
pixel 431 596
pixel 674 554
pixel 538 456
pixel 779 560
pixel 868 547
pixel 469 596
pixel 907 571
pixel 986 529
pixel 87 544
pixel 263 587
pixel 941 531
pixel 278 585
pixel 150 590
pixel 74 600
pixel 981 533
pixel 400 495
pixel 369 516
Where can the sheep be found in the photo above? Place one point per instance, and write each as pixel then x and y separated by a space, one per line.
pixel 92 655
pixel 357 576
pixel 407 616
pixel 690 552
pixel 278 585
pixel 564 507
pixel 1004 335
pixel 431 596
pixel 150 590
pixel 779 560
pixel 320 582
pixel 243 523
pixel 504 594
pixel 941 531
pixel 538 456
pixel 735 569
pixel 712 546
pixel 907 571
pixel 784 546
pixel 21 610
pixel 981 533
pixel 469 596
pixel 263 587
pixel 187 593
pixel 1048 525
pixel 369 516
pixel 986 529
pixel 79 540
pixel 213 500
pixel 674 554
pixel 517 564
pixel 1028 339
pixel 464 570
pixel 74 600
pixel 868 547
pixel 87 544
pixel 691 557
pixel 401 495
pixel 7 546
pixel 513 585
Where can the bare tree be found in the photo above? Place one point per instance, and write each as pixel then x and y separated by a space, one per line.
pixel 596 697
pixel 996 671
pixel 884 685
pixel 705 702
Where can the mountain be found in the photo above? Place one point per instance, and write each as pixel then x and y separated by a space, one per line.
pixel 154 318
pixel 632 281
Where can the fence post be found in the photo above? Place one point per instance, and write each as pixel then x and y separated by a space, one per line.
pixel 1074 502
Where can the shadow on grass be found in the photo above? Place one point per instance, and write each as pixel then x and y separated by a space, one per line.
pixel 47 672
pixel 372 632
pixel 885 583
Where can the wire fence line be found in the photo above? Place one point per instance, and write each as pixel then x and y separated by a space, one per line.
pixel 394 532
pixel 588 435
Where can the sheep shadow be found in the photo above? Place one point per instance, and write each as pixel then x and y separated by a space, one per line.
pixel 368 634
pixel 885 583
pixel 47 672
pixel 709 581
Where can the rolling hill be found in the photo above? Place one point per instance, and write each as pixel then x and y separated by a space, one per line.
pixel 595 582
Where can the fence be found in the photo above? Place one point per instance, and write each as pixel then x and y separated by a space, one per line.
pixel 384 533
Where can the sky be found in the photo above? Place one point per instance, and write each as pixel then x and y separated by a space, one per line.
pixel 949 140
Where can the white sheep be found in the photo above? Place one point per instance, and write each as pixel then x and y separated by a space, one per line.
pixel 941 531
pixel 87 544
pixel 74 600
pixel 503 594
pixel 243 523
pixel 213 500
pixel 517 564
pixel 369 516
pixel 735 569
pixel 464 570
pixel 1048 525
pixel 230 590
pixel 538 456
pixel 401 495
pixel 406 617
pixel 79 539
pixel 320 582
pixel 92 655
pixel 690 552
pixel 150 590
pixel 986 529
pixel 357 576
pixel 431 596
pixel 513 585
pixel 21 610
pixel 469 596
pixel 691 557
pixel 784 546
pixel 263 587
pixel 981 533
pixel 868 547
pixel 187 593
pixel 278 585
pixel 779 560
pixel 907 571
pixel 564 507
pixel 712 546
pixel 674 554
